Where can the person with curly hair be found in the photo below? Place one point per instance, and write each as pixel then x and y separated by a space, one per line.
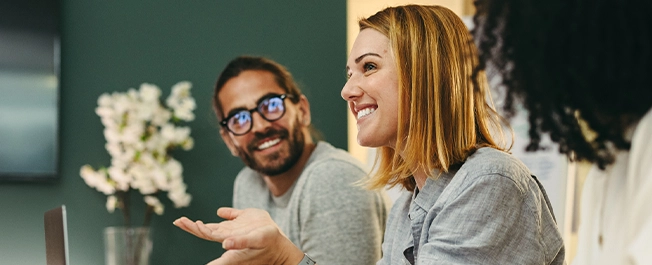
pixel 465 199
pixel 581 69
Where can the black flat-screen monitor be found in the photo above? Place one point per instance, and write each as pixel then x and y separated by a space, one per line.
pixel 29 89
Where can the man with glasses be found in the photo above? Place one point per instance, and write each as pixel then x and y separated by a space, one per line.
pixel 309 188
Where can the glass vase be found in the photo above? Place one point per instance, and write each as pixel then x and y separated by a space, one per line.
pixel 127 245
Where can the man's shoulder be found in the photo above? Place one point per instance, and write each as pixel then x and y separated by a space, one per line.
pixel 325 153
pixel 331 167
pixel 249 177
pixel 247 183
pixel 327 158
pixel 336 176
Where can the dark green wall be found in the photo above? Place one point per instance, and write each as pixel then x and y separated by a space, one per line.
pixel 114 45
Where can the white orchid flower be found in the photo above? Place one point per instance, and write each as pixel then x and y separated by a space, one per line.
pixel 111 203
pixel 104 100
pixel 139 131
pixel 173 168
pixel 161 116
pixel 181 89
pixel 188 144
pixel 179 197
pixel 149 92
pixel 155 203
pixel 111 135
pixel 89 175
pixel 121 178
pixel 184 114
pixel 188 103
pixel 181 134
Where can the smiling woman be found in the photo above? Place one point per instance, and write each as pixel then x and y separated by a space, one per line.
pixel 373 72
pixel 357 9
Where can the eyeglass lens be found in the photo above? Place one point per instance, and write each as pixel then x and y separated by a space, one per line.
pixel 270 109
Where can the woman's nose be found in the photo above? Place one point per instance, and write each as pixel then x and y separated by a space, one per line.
pixel 351 90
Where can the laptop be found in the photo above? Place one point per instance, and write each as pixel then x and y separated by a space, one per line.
pixel 56 236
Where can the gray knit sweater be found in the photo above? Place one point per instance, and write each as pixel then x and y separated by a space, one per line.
pixel 323 213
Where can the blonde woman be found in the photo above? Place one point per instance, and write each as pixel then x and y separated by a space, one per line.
pixel 466 200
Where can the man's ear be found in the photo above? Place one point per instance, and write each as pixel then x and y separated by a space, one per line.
pixel 226 137
pixel 304 108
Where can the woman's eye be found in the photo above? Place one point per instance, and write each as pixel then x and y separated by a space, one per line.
pixel 348 75
pixel 369 67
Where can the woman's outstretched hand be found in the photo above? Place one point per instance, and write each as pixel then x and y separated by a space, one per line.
pixel 250 236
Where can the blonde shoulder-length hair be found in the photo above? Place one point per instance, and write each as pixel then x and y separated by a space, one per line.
pixel 443 115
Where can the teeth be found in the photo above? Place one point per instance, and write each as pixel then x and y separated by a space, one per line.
pixel 365 112
pixel 268 144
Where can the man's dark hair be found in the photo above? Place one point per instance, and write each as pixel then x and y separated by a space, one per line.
pixel 570 61
pixel 243 63
pixel 282 76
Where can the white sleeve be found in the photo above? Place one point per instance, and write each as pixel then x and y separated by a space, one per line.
pixel 639 189
pixel 640 251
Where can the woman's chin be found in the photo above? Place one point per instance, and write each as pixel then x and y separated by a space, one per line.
pixel 366 141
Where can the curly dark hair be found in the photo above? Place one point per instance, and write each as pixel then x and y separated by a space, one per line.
pixel 281 74
pixel 243 63
pixel 569 61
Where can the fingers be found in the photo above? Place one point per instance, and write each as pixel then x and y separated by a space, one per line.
pixel 204 230
pixel 180 220
pixel 248 228
pixel 228 213
pixel 185 224
pixel 230 257
pixel 190 227
pixel 242 242
pixel 217 262
pixel 260 238
pixel 220 261
pixel 271 252
pixel 198 229
pixel 234 243
pixel 248 256
pixel 249 236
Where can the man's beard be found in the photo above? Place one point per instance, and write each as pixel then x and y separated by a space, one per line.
pixel 276 164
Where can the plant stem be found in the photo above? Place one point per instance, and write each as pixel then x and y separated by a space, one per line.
pixel 125 207
pixel 148 215
pixel 140 241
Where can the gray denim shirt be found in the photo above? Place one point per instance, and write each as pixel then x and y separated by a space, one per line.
pixel 491 211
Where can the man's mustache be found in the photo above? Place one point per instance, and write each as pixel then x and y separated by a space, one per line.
pixel 258 137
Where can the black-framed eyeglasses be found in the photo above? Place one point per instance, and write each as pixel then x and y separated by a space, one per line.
pixel 270 108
